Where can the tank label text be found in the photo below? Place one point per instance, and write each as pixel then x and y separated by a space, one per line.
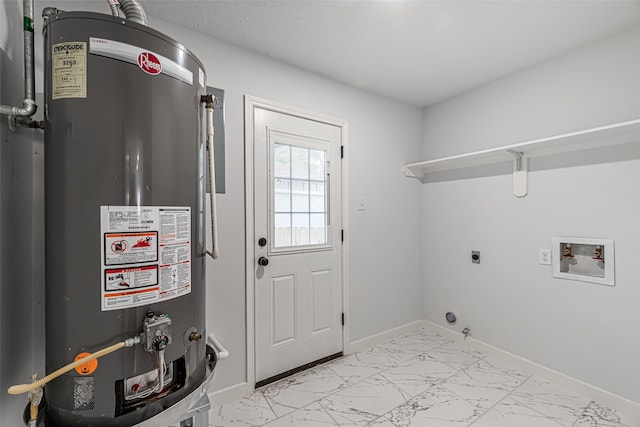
pixel 69 70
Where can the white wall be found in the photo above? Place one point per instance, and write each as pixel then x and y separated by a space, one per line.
pixel 385 270
pixel 584 330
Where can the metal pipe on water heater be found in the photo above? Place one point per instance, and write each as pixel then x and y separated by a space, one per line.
pixel 209 101
pixel 28 107
pixel 133 11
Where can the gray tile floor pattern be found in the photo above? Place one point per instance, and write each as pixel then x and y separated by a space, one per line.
pixel 418 379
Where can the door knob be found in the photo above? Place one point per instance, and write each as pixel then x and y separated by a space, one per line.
pixel 263 261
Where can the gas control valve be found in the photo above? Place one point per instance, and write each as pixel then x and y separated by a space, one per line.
pixel 157 331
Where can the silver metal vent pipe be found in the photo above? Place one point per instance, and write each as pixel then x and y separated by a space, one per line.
pixel 28 107
pixel 113 4
pixel 132 10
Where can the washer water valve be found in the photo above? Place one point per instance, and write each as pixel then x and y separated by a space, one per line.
pixel 157 331
pixel 466 332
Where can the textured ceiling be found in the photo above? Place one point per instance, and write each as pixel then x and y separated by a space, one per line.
pixel 419 52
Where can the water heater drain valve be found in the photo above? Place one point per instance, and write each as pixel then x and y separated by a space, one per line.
pixel 157 331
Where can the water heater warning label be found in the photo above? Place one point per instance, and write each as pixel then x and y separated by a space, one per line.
pixel 146 254
pixel 130 248
pixel 69 70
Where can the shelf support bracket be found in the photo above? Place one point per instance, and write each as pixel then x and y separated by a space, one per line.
pixel 520 169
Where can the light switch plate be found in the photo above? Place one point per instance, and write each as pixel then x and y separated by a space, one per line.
pixel 362 206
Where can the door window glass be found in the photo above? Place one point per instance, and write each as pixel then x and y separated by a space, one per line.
pixel 299 196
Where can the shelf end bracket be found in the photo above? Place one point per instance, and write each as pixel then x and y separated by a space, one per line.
pixel 520 169
pixel 410 172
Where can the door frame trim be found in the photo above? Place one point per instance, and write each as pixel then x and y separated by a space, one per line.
pixel 250 105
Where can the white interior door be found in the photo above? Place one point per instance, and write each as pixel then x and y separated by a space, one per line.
pixel 297 214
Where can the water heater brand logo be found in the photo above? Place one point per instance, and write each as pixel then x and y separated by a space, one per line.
pixel 149 63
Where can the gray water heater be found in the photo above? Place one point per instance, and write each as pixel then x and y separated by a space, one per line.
pixel 124 189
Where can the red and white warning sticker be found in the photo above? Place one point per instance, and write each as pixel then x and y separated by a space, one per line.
pixel 122 279
pixel 130 248
pixel 146 254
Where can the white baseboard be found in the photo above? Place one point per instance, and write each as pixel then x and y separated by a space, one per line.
pixel 229 394
pixel 602 397
pixel 367 342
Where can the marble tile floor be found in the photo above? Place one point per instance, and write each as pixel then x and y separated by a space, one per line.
pixel 418 379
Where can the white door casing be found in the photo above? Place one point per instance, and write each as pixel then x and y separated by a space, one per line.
pixel 296 192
